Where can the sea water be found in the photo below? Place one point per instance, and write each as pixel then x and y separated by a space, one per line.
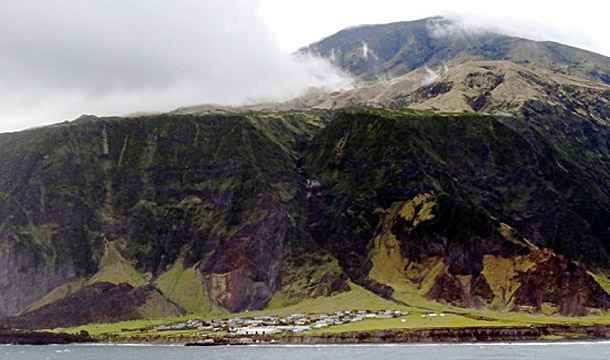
pixel 495 351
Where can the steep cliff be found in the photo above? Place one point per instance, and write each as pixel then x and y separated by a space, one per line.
pixel 126 200
pixel 217 213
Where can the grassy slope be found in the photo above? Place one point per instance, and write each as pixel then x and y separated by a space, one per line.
pixel 391 268
pixel 185 287
pixel 356 299
pixel 361 299
pixel 465 318
pixel 387 269
pixel 57 294
pixel 603 279
pixel 115 269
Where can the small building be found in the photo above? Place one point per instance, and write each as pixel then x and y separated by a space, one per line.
pixel 258 330
pixel 295 329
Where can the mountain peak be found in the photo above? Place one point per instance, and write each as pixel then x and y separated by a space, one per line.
pixel 395 49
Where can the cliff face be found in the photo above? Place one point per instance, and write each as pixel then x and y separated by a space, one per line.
pixel 126 200
pixel 227 212
pixel 450 202
pixel 24 278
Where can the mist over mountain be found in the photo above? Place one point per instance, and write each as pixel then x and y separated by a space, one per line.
pixel 387 51
pixel 63 59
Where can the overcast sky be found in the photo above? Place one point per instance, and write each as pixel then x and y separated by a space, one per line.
pixel 63 58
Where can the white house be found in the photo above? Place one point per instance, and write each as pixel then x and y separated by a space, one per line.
pixel 259 330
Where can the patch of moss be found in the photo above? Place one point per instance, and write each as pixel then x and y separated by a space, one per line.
pixel 303 278
pixel 186 287
pixel 500 274
pixel 419 209
pixel 549 309
pixel 115 269
pixel 602 278
pixel 356 299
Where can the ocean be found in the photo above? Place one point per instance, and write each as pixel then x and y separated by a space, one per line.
pixel 494 351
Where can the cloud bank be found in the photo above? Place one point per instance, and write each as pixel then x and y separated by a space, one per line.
pixel 63 58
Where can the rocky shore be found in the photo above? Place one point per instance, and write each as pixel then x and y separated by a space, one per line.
pixel 440 335
pixel 445 335
pixel 458 335
pixel 13 337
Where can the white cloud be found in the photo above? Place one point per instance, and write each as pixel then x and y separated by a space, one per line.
pixel 63 58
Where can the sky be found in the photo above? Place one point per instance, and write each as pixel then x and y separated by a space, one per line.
pixel 63 58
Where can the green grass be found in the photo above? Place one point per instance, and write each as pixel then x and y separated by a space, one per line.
pixel 389 268
pixel 412 321
pixel 602 279
pixel 356 299
pixel 119 327
pixel 115 269
pixel 507 317
pixel 186 288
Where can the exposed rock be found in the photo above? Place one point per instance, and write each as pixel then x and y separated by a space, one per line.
pixel 552 278
pixel 25 277
pixel 98 303
pixel 243 273
pixel 42 338
pixel 456 335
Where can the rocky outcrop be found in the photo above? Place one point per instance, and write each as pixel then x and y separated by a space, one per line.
pixel 42 338
pixel 243 273
pixel 553 279
pixel 98 303
pixel 450 252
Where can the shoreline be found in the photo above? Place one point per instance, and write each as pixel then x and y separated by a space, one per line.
pixel 437 336
pixel 567 342
pixel 20 337
pixel 463 335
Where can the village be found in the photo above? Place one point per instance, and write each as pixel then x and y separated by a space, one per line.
pixel 274 325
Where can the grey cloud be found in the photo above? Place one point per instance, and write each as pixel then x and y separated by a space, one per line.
pixel 61 58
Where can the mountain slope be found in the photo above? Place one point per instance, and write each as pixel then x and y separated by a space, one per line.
pixel 233 212
pixel 489 178
pixel 374 52
pixel 565 114
pixel 122 200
